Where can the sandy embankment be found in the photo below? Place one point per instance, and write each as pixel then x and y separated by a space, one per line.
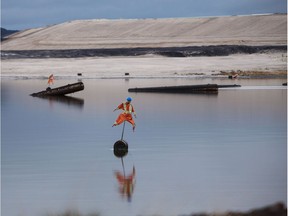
pixel 97 34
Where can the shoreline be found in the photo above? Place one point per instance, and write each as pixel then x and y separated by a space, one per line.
pixel 276 209
pixel 256 65
pixel 198 77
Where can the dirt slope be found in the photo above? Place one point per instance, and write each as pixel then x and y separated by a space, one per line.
pixel 93 34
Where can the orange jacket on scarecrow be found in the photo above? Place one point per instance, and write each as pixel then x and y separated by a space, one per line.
pixel 127 114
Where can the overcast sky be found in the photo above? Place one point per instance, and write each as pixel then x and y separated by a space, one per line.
pixel 24 14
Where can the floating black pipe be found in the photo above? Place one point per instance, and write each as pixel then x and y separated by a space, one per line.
pixel 67 89
pixel 206 88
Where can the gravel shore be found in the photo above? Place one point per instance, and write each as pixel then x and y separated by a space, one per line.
pixel 148 66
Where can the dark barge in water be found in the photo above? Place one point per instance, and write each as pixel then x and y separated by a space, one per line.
pixel 207 88
pixel 60 91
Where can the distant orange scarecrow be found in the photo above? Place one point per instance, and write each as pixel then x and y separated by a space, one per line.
pixel 127 114
pixel 50 79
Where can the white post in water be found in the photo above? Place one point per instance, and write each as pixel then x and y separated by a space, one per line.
pixel 123 130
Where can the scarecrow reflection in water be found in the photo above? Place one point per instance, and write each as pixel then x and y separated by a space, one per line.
pixel 126 183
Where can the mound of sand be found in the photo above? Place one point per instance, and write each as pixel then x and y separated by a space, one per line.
pixel 174 32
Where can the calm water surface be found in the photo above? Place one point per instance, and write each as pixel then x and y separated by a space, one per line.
pixel 191 153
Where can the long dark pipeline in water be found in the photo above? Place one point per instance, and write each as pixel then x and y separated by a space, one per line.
pixel 206 88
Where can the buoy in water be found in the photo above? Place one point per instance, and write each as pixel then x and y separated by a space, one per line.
pixel 120 148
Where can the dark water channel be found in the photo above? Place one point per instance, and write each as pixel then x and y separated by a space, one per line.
pixel 190 152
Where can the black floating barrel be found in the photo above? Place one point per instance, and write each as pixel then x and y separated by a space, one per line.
pixel 120 148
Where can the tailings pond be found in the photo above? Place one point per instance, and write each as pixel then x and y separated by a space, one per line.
pixel 190 153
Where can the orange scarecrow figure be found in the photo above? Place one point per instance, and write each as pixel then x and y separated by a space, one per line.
pixel 50 79
pixel 127 114
pixel 126 184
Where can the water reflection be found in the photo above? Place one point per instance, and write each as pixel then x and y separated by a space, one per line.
pixel 126 181
pixel 65 100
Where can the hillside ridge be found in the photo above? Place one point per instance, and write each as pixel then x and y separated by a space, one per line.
pixel 254 30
